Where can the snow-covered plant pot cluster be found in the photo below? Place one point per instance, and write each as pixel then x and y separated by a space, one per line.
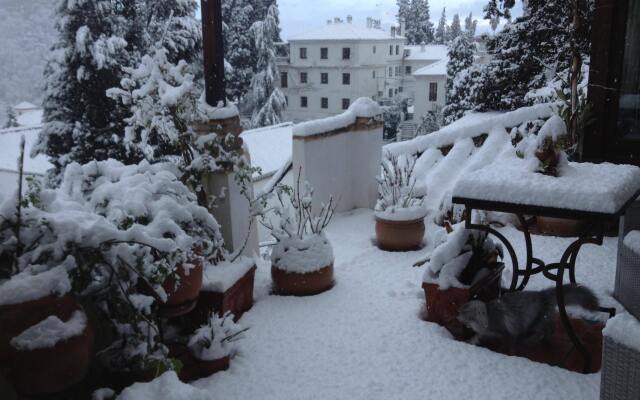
pixel 465 265
pixel 302 259
pixel 214 343
pixel 131 238
pixel 400 207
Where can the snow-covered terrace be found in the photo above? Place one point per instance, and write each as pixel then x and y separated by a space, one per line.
pixel 365 338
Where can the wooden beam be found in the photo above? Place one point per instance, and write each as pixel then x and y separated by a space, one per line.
pixel 213 49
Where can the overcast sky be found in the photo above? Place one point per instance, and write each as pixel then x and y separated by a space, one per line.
pixel 298 16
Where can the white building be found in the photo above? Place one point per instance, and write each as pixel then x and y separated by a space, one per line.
pixel 417 57
pixel 330 67
pixel 429 88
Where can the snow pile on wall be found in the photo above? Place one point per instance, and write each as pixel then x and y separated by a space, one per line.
pixel 269 148
pixel 363 107
pixel 50 331
pixel 624 329
pixel 632 241
pixel 167 387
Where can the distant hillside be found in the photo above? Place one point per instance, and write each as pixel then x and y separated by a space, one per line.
pixel 26 34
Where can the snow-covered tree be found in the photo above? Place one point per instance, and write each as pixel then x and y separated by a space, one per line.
pixel 80 122
pixel 238 46
pixel 12 121
pixel 455 29
pixel 533 48
pixel 431 122
pixel 403 13
pixel 492 14
pixel 461 52
pixel 441 31
pixel 470 25
pixel 268 100
pixel 419 28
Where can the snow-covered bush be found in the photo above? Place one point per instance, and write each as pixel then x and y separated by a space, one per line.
pixel 459 260
pixel 165 104
pixel 121 232
pixel 398 196
pixel 216 339
pixel 299 230
pixel 546 150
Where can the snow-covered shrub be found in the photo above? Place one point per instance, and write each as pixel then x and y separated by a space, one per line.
pixel 430 122
pixel 121 232
pixel 217 338
pixel 459 260
pixel 165 103
pixel 299 230
pixel 398 196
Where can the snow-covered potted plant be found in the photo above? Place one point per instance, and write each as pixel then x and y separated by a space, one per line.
pixel 32 297
pixel 465 265
pixel 169 121
pixel 400 208
pixel 302 259
pixel 213 344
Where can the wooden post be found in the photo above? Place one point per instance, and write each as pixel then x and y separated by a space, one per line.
pixel 213 49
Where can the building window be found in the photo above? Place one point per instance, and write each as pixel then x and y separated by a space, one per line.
pixel 284 82
pixel 303 77
pixel 286 100
pixel 324 78
pixel 374 49
pixel 303 53
pixel 373 74
pixel 346 53
pixel 395 91
pixel 380 94
pixel 407 70
pixel 303 102
pixel 433 91
pixel 324 102
pixel 390 92
pixel 324 53
pixel 400 89
pixel 345 104
pixel 346 79
pixel 391 50
pixel 390 71
pixel 397 71
pixel 397 50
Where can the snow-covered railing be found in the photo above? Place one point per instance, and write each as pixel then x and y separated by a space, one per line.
pixel 470 127
pixel 340 156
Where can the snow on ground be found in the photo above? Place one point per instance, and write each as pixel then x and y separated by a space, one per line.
pixel 364 339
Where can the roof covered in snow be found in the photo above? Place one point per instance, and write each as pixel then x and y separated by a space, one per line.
pixel 25 105
pixel 437 68
pixel 10 149
pixel 427 52
pixel 269 147
pixel 345 31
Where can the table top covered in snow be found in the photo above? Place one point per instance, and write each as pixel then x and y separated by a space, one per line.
pixel 582 190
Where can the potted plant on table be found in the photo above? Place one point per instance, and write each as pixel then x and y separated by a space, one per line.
pixel 463 267
pixel 400 208
pixel 302 259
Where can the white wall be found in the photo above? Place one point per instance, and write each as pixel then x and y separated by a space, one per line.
pixel 422 103
pixel 344 165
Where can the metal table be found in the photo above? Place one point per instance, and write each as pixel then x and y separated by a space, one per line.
pixel 593 233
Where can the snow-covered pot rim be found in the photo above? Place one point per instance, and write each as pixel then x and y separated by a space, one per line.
pixel 399 222
pixel 400 215
pixel 310 254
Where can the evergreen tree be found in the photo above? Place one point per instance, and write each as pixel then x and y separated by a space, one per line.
pixel 460 60
pixel 441 30
pixel 456 29
pixel 80 122
pixel 470 25
pixel 532 48
pixel 268 100
pixel 12 121
pixel 238 47
pixel 492 13
pixel 419 28
pixel 403 14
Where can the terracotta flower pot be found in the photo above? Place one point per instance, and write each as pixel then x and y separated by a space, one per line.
pixel 559 226
pixel 443 305
pixel 237 300
pixel 209 367
pixel 299 284
pixel 15 318
pixel 399 235
pixel 51 370
pixel 182 299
